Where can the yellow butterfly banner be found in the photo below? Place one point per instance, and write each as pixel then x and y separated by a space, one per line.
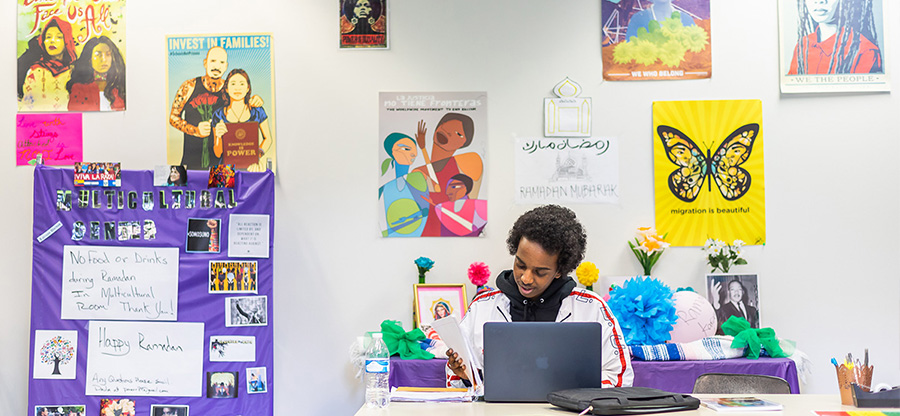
pixel 708 171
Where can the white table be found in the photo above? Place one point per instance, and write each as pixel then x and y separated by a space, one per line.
pixel 794 405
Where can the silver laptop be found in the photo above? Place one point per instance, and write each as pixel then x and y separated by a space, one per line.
pixel 524 361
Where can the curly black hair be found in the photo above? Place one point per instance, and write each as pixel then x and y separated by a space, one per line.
pixel 556 230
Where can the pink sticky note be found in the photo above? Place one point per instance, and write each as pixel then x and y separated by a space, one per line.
pixel 56 136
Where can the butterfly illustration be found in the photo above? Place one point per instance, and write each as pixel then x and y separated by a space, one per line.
pixel 723 166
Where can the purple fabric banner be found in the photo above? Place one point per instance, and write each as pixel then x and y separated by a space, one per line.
pixel 673 376
pixel 142 218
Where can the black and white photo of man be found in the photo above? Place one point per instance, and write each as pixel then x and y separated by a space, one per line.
pixel 734 295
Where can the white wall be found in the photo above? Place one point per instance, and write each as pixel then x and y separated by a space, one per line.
pixel 829 277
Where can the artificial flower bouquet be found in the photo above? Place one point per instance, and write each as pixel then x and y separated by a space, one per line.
pixel 721 256
pixel 648 246
pixel 424 264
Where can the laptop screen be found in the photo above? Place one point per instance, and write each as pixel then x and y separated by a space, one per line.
pixel 525 361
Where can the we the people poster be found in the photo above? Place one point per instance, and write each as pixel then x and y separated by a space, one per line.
pixel 832 46
pixel 659 39
pixel 431 164
pixel 708 171
pixel 221 98
pixel 70 55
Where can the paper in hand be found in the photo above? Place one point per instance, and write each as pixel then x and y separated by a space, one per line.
pixel 448 329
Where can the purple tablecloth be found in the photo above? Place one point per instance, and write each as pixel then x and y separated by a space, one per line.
pixel 674 376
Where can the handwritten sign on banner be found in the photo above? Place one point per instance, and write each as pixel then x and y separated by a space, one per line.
pixel 145 359
pixel 566 170
pixel 120 283
pixel 57 137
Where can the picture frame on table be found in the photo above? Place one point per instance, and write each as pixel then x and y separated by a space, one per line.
pixel 435 301
pixel 733 294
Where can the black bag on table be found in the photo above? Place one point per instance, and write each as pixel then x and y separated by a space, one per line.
pixel 622 400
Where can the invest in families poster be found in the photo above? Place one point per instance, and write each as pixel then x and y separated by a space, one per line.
pixel 708 170
pixel 221 97
pixel 70 55
pixel 662 39
pixel 431 164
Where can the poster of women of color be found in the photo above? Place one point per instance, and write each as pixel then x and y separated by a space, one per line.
pixel 832 46
pixel 431 148
pixel 71 55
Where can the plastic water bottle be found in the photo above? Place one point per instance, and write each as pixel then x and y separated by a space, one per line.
pixel 378 367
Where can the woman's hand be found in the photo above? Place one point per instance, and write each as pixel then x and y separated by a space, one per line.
pixel 455 364
pixel 221 129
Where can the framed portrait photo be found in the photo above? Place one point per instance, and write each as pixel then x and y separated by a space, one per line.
pixel 733 295
pixel 433 302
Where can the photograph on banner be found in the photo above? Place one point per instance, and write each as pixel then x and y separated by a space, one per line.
pixel 363 24
pixel 175 175
pixel 59 410
pixel 832 46
pixel 733 295
pixel 248 235
pixel 431 151
pixel 118 407
pixel 654 40
pixel 71 55
pixel 168 410
pixel 256 380
pixel 55 139
pixel 221 93
pixel 106 174
pixel 222 384
pixel 54 354
pixel 708 171
pixel 246 311
pixel 203 235
pixel 232 276
pixel 566 170
pixel 221 176
pixel 120 283
pixel 144 358
pixel 232 348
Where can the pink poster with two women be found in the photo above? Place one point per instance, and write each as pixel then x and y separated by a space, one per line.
pixel 71 55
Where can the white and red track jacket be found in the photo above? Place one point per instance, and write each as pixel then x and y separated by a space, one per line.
pixel 580 306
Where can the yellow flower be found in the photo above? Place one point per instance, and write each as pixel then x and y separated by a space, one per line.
pixel 645 53
pixel 672 53
pixel 695 38
pixel 587 273
pixel 623 53
pixel 647 232
pixel 652 245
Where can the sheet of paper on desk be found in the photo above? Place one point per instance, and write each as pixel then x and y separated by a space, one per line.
pixel 405 394
pixel 448 329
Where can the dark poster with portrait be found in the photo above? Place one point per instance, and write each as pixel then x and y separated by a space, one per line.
pixel 832 46
pixel 71 55
pixel 662 39
pixel 363 24
pixel 130 318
